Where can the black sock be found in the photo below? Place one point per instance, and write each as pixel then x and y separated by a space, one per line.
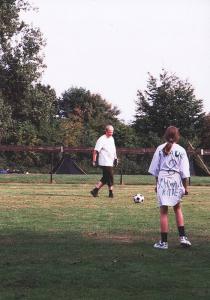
pixel 181 230
pixel 164 236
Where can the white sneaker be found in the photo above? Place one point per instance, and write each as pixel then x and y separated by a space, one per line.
pixel 184 241
pixel 161 245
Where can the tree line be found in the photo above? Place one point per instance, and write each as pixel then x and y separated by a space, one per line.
pixel 32 114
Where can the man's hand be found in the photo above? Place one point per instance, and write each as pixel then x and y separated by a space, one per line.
pixel 115 162
pixel 94 163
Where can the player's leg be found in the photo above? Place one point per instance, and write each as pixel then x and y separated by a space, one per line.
pixel 98 185
pixel 110 180
pixel 163 243
pixel 180 225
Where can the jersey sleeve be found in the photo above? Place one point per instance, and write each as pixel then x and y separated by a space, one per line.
pixel 115 153
pixel 99 144
pixel 184 166
pixel 155 163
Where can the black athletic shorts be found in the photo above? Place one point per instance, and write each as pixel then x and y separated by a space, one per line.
pixel 107 177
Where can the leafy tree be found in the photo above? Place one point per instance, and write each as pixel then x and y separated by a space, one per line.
pixel 125 136
pixel 27 108
pixel 21 61
pixel 167 101
pixel 205 134
pixel 31 105
pixel 5 119
pixel 40 127
pixel 90 112
pixel 71 131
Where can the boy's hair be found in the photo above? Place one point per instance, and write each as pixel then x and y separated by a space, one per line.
pixel 171 136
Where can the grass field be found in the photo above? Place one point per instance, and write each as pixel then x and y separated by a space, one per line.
pixel 90 179
pixel 57 242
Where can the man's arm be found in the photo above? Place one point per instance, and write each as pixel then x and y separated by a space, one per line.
pixel 94 159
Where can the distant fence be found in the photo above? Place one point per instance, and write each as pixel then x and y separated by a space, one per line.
pixel 73 150
pixel 57 149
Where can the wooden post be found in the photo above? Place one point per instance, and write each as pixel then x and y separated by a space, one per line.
pixel 121 171
pixel 51 168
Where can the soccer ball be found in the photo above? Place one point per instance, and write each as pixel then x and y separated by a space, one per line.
pixel 138 198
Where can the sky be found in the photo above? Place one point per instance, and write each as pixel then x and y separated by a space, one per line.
pixel 109 46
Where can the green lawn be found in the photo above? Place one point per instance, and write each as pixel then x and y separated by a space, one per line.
pixel 57 242
pixel 90 179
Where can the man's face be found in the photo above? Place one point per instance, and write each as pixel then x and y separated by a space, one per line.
pixel 109 132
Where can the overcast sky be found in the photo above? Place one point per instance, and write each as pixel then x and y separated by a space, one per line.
pixel 109 46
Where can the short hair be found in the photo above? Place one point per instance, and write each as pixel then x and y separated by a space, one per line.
pixel 109 127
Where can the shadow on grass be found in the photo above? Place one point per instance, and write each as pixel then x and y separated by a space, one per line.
pixel 67 265
pixel 51 194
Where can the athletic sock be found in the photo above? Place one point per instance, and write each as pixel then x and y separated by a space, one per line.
pixel 181 230
pixel 164 237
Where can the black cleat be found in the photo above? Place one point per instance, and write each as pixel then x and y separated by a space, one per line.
pixel 111 194
pixel 94 193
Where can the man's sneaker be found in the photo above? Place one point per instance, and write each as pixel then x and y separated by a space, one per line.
pixel 161 245
pixel 94 193
pixel 184 241
pixel 111 195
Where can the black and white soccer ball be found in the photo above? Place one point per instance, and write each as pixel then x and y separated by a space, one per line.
pixel 138 198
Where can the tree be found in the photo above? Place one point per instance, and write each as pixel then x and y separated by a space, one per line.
pixel 90 112
pixel 168 101
pixel 31 105
pixel 21 61
pixel 205 134
pixel 28 108
pixel 71 131
pixel 125 136
pixel 39 127
pixel 5 119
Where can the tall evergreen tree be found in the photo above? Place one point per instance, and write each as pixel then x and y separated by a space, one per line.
pixel 168 101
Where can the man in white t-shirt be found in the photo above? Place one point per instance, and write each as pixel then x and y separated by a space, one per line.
pixel 105 153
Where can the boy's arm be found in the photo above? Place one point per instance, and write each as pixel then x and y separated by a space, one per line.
pixel 156 179
pixel 184 182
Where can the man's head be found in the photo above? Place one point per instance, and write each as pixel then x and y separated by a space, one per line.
pixel 109 130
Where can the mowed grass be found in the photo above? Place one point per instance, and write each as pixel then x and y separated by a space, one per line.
pixel 58 242
pixel 90 179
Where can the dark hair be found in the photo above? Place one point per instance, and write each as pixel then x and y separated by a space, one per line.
pixel 171 136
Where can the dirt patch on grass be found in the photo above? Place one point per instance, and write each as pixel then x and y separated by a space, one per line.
pixel 118 238
pixel 7 241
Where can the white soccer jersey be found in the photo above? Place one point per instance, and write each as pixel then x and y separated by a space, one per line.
pixel 107 150
pixel 176 161
pixel 170 170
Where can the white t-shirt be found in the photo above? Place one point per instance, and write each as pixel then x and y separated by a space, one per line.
pixel 107 150
pixel 175 161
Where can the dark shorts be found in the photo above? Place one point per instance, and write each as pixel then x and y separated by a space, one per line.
pixel 107 177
